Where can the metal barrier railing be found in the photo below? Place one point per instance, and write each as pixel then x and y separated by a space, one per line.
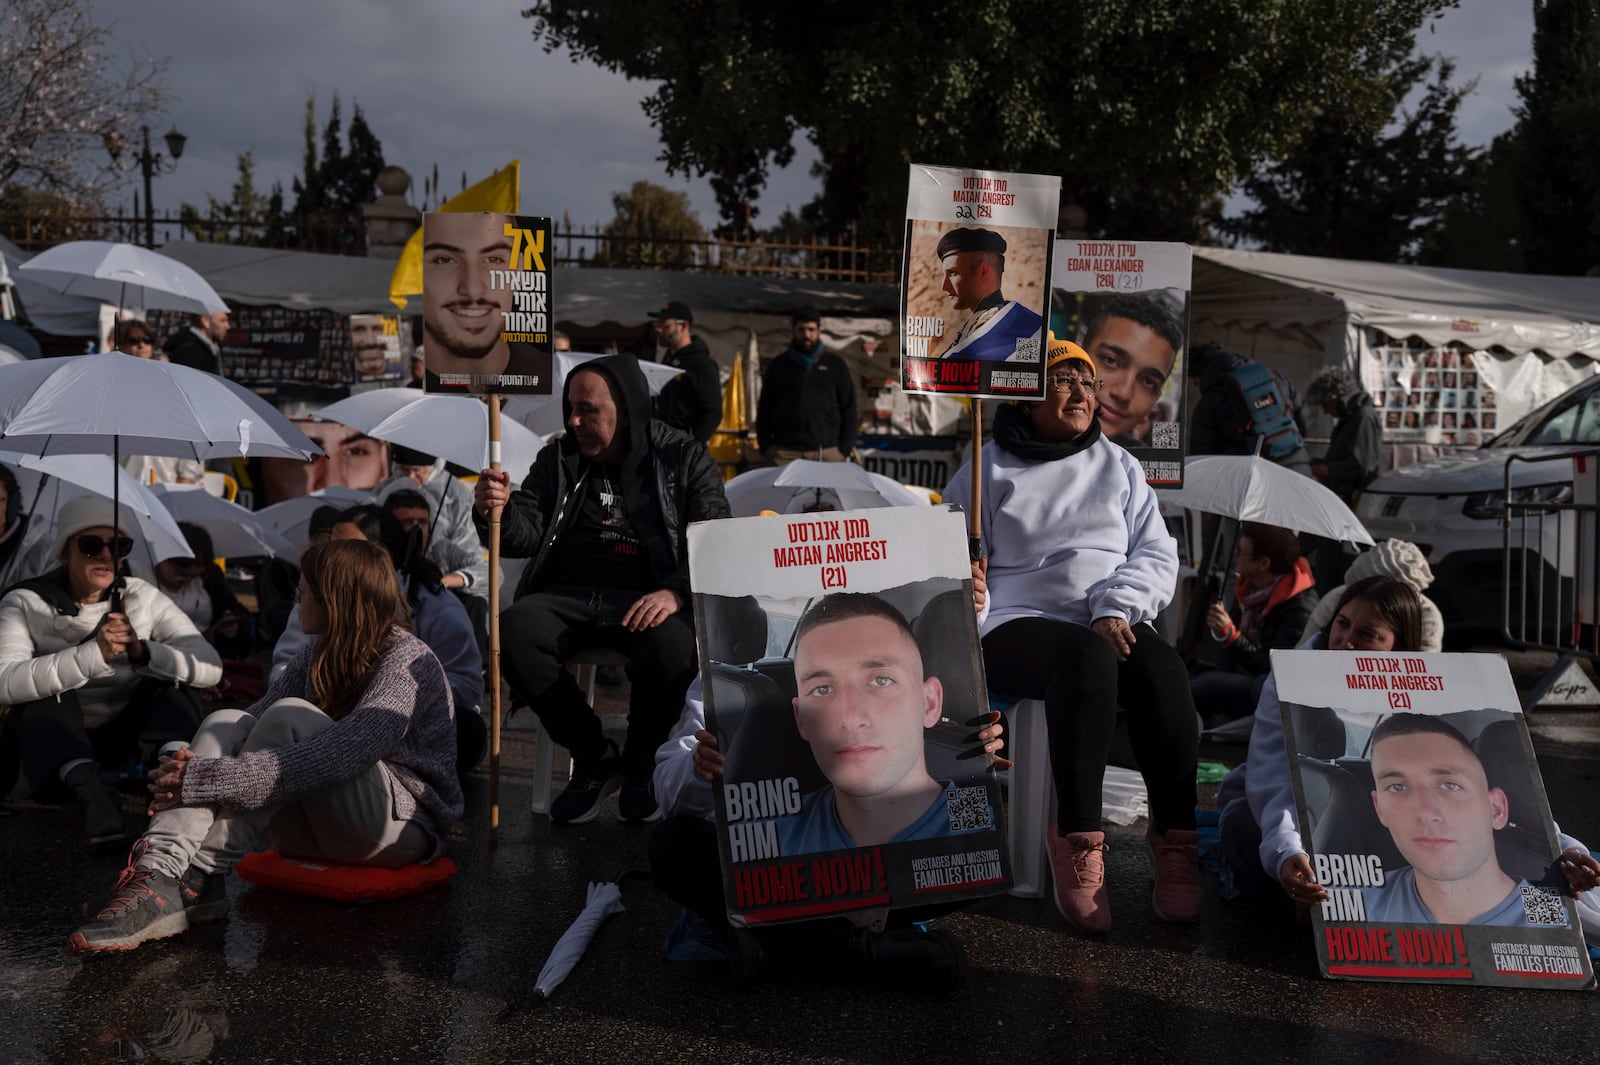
pixel 1550 573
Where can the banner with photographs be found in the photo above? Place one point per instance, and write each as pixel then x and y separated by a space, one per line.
pixel 375 340
pixel 1435 396
pixel 1425 819
pixel 1126 302
pixel 839 657
pixel 486 303
pixel 975 285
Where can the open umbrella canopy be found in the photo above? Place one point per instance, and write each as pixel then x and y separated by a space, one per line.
pixel 291 519
pixel 1248 488
pixel 804 484
pixel 47 484
pixel 115 403
pixel 124 274
pixel 455 428
pixel 235 532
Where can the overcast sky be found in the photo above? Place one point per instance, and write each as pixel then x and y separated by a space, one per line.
pixel 465 86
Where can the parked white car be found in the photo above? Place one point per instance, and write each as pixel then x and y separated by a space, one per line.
pixel 1453 507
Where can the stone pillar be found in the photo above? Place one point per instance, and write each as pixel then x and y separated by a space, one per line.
pixel 390 219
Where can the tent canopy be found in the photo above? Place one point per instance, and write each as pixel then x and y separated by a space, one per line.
pixel 1522 313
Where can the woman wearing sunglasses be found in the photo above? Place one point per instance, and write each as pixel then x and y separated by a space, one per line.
pixel 93 683
pixel 1079 562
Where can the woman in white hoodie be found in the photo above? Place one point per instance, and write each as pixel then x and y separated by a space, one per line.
pixel 93 676
pixel 1079 562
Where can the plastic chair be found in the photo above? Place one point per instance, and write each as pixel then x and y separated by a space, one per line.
pixel 221 485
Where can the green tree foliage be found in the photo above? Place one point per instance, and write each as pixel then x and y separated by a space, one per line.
pixel 236 220
pixel 1558 173
pixel 1149 109
pixel 1361 187
pixel 649 224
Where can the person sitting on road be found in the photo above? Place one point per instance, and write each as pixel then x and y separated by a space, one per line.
pixel 1275 594
pixel 201 591
pixel 349 758
pixel 1391 558
pixel 96 677
pixel 437 618
pixel 1260 836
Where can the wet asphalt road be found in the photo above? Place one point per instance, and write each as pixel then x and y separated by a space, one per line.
pixel 447 976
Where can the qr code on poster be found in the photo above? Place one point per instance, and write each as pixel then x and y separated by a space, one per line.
pixel 1542 906
pixel 969 810
pixel 1165 435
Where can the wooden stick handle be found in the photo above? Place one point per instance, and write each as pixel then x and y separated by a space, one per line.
pixel 494 630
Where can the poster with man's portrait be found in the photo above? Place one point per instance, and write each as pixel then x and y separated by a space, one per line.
pixel 1126 302
pixel 486 303
pixel 975 291
pixel 375 347
pixel 1425 820
pixel 839 658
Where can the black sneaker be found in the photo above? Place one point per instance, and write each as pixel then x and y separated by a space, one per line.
pixel 592 780
pixel 144 905
pixel 932 961
pixel 102 810
pixel 637 801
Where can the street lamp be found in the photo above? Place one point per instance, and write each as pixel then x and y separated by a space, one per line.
pixel 150 164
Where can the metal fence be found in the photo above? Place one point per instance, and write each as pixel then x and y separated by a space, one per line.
pixel 1550 569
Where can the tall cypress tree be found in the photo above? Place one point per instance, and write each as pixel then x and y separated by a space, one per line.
pixel 1558 177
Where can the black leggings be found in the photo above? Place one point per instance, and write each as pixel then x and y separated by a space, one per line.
pixel 1082 684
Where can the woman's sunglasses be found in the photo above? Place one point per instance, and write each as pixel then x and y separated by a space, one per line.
pixel 92 546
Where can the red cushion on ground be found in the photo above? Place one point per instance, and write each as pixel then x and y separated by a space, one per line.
pixel 346 883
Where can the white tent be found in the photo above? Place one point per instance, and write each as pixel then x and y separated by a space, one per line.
pixel 1535 335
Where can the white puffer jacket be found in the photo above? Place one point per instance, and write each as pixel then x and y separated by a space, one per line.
pixel 45 652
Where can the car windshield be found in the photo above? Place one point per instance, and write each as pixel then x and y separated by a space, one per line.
pixel 1571 419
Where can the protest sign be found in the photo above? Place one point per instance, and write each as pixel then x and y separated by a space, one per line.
pixel 1126 302
pixel 975 292
pixel 839 657
pixel 486 303
pixel 1424 817
pixel 375 339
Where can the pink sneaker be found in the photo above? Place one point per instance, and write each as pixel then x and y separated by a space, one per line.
pixel 1177 858
pixel 1078 867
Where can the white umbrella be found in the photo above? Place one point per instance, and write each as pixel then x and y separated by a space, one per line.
pixel 802 483
pixel 1248 488
pixel 455 428
pixel 542 414
pixel 103 404
pixel 235 532
pixel 604 900
pixel 291 519
pixel 124 274
pixel 49 483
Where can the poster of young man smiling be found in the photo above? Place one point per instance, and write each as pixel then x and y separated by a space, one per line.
pixel 486 303
pixel 839 657
pixel 1426 824
pixel 975 290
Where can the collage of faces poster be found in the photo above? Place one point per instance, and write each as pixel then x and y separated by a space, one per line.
pixel 486 303
pixel 1436 396
pixel 1126 302
pixel 975 286
pixel 839 658
pixel 1425 819
pixel 375 342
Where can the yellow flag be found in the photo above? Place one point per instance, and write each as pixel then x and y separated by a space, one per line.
pixel 497 192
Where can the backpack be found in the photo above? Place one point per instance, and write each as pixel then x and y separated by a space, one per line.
pixel 1262 410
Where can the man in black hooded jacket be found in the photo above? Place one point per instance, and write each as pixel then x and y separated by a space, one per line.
pixel 603 516
pixel 691 401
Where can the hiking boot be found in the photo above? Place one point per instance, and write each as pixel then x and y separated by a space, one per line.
pixel 637 800
pixel 144 905
pixel 103 825
pixel 1176 854
pixel 931 960
pixel 592 780
pixel 1078 868
pixel 205 897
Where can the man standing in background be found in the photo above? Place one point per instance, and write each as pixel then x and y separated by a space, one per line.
pixel 692 401
pixel 807 408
